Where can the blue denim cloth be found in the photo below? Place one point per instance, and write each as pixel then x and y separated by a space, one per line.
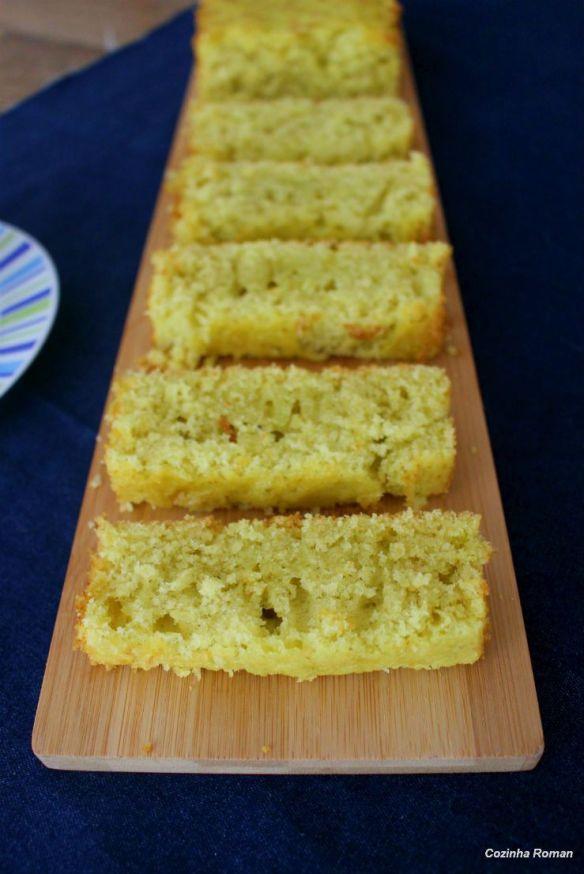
pixel 500 82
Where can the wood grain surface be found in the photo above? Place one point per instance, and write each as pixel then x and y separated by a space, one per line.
pixel 41 41
pixel 95 24
pixel 482 717
pixel 27 64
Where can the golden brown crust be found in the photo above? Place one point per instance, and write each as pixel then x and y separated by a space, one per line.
pixel 227 428
pixel 486 635
pixel 436 333
pixel 365 332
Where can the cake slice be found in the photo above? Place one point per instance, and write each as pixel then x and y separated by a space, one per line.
pixel 237 201
pixel 311 48
pixel 280 437
pixel 300 596
pixel 283 299
pixel 334 131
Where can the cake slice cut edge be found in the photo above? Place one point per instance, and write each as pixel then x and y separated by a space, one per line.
pixel 220 201
pixel 280 437
pixel 299 299
pixel 310 48
pixel 332 131
pixel 302 596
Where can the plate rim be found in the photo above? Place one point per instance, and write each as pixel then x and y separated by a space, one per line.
pixel 10 381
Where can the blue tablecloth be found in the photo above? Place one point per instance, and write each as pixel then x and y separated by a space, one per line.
pixel 80 167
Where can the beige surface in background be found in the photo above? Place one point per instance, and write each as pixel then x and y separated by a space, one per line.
pixel 41 40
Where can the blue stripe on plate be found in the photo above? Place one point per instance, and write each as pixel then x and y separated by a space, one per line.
pixel 21 347
pixel 16 253
pixel 33 268
pixel 26 302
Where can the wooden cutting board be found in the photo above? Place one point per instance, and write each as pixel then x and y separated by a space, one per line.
pixel 483 717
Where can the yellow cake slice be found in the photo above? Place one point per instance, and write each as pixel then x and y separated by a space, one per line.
pixel 280 437
pixel 281 299
pixel 300 596
pixel 311 48
pixel 237 201
pixel 334 131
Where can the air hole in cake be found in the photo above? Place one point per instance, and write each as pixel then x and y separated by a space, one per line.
pixel 370 603
pixel 365 613
pixel 241 291
pixel 117 617
pixel 446 577
pixel 167 624
pixel 271 619
pixel 376 464
pixel 277 436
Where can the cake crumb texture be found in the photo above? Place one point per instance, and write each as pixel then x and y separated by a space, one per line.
pixel 307 48
pixel 333 131
pixel 237 201
pixel 277 299
pixel 280 437
pixel 300 596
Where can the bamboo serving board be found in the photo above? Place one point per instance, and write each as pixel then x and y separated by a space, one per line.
pixel 482 717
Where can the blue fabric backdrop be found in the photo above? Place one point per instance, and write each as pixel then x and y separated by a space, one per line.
pixel 501 85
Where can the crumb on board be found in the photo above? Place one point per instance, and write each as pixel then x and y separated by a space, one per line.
pixel 126 506
pixel 452 349
pixel 95 481
pixel 473 450
pixel 266 749
pixel 195 678
pixel 98 438
pixel 148 747
pixel 91 524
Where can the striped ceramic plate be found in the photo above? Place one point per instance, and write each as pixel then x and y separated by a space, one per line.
pixel 29 298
